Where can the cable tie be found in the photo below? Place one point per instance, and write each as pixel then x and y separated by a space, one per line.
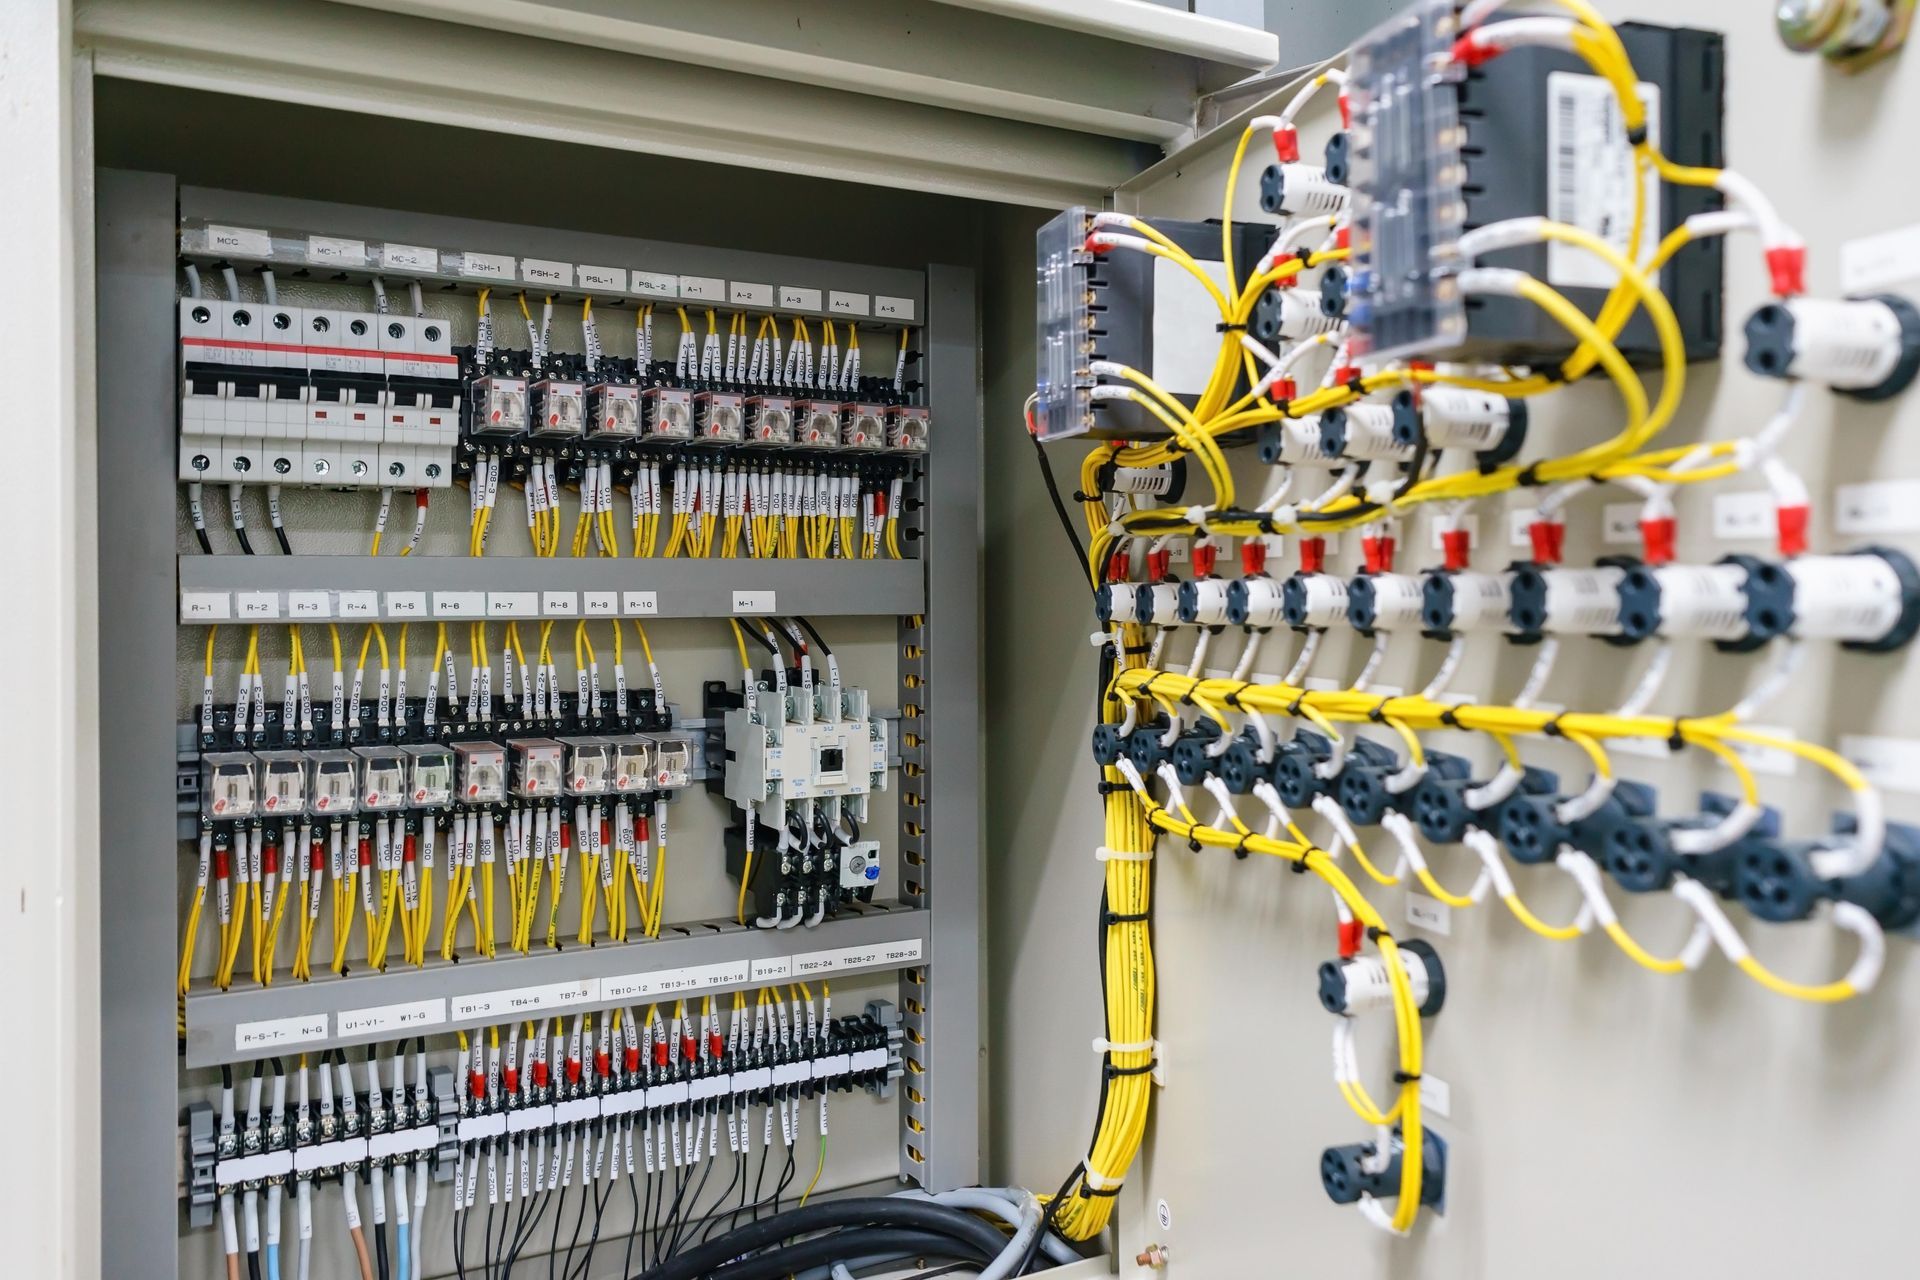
pixel 1103 1045
pixel 1104 854
pixel 1223 327
pixel 1137 650
pixel 1637 135
pixel 1193 842
pixel 1240 849
pixel 1110 1071
pixel 1293 708
pixel 1112 918
pixel 1552 727
pixel 1676 741
pixel 1375 933
pixel 1379 712
pixel 1406 1077
pixel 1529 476
pixel 1449 718
pixel 1112 788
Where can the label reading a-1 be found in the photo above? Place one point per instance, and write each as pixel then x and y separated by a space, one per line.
pixel 703 288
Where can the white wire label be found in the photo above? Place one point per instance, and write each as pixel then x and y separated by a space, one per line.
pixel 257 605
pixel 408 257
pixel 205 606
pixel 847 304
pixel 513 604
pixel 516 1002
pixel 753 602
pixel 275 1033
pixel 742 294
pixel 639 604
pixel 404 1018
pixel 1430 914
pixel 610 278
pixel 244 242
pixel 1591 173
pixel 333 251
pixel 793 298
pixel 557 275
pixel 360 604
pixel 886 308
pixel 560 604
pixel 487 266
pixel 600 604
pixel 309 604
pixel 703 288
pixel 653 284
pixel 459 604
pixel 402 604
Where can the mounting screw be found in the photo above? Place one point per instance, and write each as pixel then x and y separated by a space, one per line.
pixel 282 465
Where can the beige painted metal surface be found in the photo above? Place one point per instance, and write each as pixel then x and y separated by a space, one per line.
pixel 1605 1121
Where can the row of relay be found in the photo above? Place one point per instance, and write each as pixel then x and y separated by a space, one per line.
pixel 240 785
pixel 562 399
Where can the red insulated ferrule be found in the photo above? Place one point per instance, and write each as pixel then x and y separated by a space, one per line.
pixel 1656 540
pixel 366 853
pixel 566 836
pixel 1286 143
pixel 573 1071
pixel 689 1048
pixel 716 1045
pixel 1253 557
pixel 1313 555
pixel 1343 238
pixel 1791 525
pixel 539 1075
pixel 1346 111
pixel 1345 374
pixel 476 1085
pixel 1203 558
pixel 1787 270
pixel 1117 567
pixel 221 866
pixel 1458 546
pixel 270 861
pixel 1472 52
pixel 407 849
pixel 511 1079
pixel 602 1064
pixel 661 1051
pixel 1349 934
pixel 1548 537
pixel 1159 564
pixel 630 1060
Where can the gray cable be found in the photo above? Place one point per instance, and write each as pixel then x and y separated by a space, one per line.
pixel 1009 1205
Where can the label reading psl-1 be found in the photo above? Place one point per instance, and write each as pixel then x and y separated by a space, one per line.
pixel 613 279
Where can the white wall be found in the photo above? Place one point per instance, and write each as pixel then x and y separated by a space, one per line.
pixel 1605 1121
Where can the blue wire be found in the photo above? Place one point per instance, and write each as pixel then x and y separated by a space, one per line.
pixel 273 1262
pixel 401 1256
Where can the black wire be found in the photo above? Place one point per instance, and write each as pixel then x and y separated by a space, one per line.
pixel 687 1222
pixel 1059 507
pixel 633 1194
pixel 809 629
pixel 486 1238
pixel 206 544
pixel 245 545
pixel 286 548
pixel 739 1177
pixel 840 1246
pixel 553 1241
pixel 1046 1219
pixel 593 1238
pixel 379 1230
pixel 966 1233
pixel 253 1264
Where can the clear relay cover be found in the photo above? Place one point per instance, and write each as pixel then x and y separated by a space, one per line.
pixel 1408 209
pixel 1062 327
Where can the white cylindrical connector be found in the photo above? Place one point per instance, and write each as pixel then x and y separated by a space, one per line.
pixel 1701 602
pixel 1303 190
pixel 1384 602
pixel 1860 599
pixel 1567 601
pixel 1467 601
pixel 1256 602
pixel 1157 605
pixel 1204 601
pixel 1156 481
pixel 1359 985
pixel 1301 315
pixel 1868 347
pixel 1298 441
pixel 1459 418
pixel 1314 601
pixel 1364 432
